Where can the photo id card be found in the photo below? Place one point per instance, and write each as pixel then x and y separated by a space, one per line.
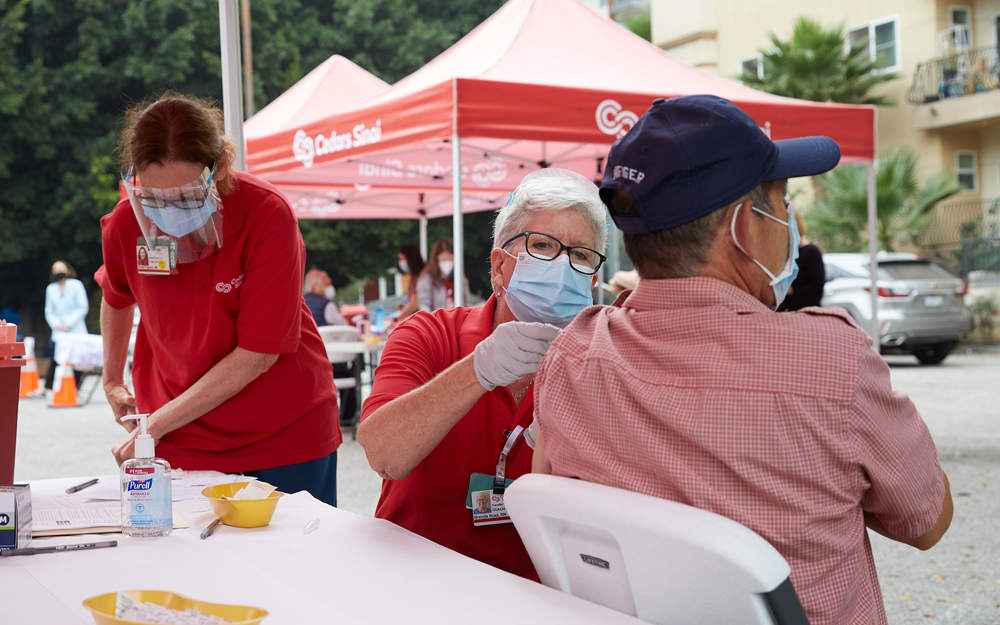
pixel 158 259
pixel 487 507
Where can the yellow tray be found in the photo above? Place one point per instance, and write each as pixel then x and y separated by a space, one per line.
pixel 103 607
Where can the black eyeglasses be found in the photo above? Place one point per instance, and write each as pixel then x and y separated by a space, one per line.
pixel 544 247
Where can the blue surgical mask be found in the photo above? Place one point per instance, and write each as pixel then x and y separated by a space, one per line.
pixel 179 222
pixel 547 291
pixel 779 283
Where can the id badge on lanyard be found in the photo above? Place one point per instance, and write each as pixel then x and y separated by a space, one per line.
pixel 485 497
pixel 157 258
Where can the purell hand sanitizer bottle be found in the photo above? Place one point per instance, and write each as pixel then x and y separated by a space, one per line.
pixel 145 482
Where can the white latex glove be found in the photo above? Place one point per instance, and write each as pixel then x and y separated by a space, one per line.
pixel 531 434
pixel 514 350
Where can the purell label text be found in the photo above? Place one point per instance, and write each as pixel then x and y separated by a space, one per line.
pixel 139 485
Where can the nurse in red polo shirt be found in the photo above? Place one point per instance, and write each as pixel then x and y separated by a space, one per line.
pixel 227 358
pixel 450 415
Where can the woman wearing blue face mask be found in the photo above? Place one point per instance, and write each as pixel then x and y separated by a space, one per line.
pixel 228 360
pixel 452 401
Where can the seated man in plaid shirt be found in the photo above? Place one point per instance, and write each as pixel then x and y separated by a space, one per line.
pixel 691 389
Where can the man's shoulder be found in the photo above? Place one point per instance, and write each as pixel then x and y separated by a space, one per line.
pixel 798 349
pixel 832 312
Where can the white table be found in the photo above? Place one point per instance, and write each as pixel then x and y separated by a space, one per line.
pixel 354 347
pixel 353 569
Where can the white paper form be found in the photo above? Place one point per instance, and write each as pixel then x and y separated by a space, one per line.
pixel 63 512
pixel 182 488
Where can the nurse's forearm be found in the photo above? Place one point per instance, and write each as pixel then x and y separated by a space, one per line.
pixel 400 434
pixel 228 377
pixel 116 328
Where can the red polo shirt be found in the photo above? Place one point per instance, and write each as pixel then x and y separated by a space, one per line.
pixel 247 294
pixel 431 500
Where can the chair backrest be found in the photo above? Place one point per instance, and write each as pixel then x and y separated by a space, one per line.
pixel 661 561
pixel 332 335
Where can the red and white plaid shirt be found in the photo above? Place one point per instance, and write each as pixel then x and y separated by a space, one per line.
pixel 693 391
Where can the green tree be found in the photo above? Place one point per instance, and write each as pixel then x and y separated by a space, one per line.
pixel 986 308
pixel 839 218
pixel 814 65
pixel 639 24
pixel 390 38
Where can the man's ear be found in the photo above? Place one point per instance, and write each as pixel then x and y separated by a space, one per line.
pixel 741 225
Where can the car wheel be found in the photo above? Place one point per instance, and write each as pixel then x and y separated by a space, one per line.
pixel 933 354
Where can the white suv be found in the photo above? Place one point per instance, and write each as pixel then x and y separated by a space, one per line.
pixel 921 307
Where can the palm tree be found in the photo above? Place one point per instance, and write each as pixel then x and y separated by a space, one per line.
pixel 814 65
pixel 839 218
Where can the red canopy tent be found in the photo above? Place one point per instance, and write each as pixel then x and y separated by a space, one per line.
pixel 340 85
pixel 540 83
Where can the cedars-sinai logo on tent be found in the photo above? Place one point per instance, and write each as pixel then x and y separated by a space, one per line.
pixel 612 120
pixel 306 148
pixel 489 171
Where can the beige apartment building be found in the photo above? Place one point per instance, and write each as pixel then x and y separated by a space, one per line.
pixel 947 97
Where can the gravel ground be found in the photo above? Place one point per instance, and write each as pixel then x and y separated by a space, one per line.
pixel 958 581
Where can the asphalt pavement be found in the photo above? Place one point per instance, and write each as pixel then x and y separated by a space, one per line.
pixel 957 581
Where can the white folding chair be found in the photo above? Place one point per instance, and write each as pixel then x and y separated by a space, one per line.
pixel 658 560
pixel 332 335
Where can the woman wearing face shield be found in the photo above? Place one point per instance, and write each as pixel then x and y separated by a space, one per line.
pixel 453 389
pixel 228 361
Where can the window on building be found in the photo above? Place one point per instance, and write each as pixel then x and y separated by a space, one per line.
pixel 967 170
pixel 961 16
pixel 754 65
pixel 882 39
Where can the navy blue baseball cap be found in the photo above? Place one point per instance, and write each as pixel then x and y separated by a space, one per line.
pixel 690 156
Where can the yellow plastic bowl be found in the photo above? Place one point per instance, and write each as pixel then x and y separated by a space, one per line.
pixel 239 513
pixel 103 607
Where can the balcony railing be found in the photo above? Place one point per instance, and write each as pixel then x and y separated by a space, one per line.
pixel 954 222
pixel 957 75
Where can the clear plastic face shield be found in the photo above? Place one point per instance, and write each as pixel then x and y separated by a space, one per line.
pixel 186 220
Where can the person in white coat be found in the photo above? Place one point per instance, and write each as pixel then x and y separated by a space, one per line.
pixel 66 308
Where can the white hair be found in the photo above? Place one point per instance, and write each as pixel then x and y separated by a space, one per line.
pixel 550 190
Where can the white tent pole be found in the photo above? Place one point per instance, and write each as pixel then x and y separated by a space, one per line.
pixel 456 224
pixel 456 192
pixel 873 234
pixel 873 250
pixel 423 237
pixel 232 88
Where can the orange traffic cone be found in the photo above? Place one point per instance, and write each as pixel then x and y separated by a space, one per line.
pixel 29 372
pixel 65 388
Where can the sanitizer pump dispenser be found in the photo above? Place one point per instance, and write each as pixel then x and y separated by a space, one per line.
pixel 145 488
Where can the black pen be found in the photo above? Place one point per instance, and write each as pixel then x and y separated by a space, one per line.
pixel 30 551
pixel 79 487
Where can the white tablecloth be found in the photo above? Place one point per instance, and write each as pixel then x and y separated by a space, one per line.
pixel 353 569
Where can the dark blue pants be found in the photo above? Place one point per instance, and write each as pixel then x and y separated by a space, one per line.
pixel 319 477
